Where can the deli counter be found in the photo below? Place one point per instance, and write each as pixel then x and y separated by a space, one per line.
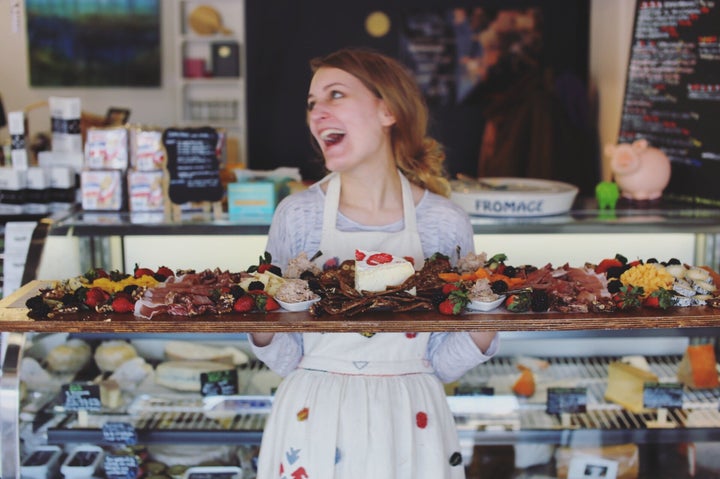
pixel 503 435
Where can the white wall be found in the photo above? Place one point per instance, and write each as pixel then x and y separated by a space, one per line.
pixel 611 30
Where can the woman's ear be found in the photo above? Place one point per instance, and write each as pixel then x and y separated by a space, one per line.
pixel 386 116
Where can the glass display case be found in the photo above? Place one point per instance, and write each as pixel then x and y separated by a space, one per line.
pixel 503 434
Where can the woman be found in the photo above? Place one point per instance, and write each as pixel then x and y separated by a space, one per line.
pixel 372 405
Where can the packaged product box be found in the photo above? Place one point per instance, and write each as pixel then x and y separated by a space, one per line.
pixel 63 187
pixel 145 191
pixel 65 119
pixel 37 193
pixel 12 189
pixel 252 202
pixel 106 148
pixel 146 149
pixel 102 190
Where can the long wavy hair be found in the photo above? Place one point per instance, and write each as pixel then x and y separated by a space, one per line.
pixel 417 155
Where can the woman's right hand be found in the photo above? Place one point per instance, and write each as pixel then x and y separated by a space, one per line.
pixel 261 339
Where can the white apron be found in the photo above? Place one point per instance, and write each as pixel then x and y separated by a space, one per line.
pixel 362 405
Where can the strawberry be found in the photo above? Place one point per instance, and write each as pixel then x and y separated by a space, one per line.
pixel 265 264
pixel 95 273
pixel 139 272
pixel 409 259
pixel 449 288
pixel 121 304
pixel 518 302
pixel 165 272
pixel 244 304
pixel 447 307
pixel 264 302
pixel 96 297
pixel 359 255
pixel 455 303
pixel 605 264
pixel 628 297
pixel 379 258
pixel 660 298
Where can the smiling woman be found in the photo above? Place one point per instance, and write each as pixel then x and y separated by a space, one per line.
pixel 384 196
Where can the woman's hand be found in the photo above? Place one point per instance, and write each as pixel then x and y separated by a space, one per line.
pixel 261 339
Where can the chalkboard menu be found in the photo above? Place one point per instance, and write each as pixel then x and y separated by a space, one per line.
pixel 672 95
pixel 193 164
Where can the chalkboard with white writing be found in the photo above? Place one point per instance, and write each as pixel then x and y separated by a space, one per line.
pixel 193 164
pixel 672 93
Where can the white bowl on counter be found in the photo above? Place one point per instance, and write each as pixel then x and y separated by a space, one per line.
pixel 513 197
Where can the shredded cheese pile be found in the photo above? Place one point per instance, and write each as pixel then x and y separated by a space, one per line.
pixel 649 276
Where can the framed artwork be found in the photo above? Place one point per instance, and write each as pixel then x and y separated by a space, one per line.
pixel 86 43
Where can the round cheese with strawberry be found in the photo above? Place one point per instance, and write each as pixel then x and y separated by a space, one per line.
pixel 377 271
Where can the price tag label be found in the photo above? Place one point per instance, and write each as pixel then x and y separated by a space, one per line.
pixel 219 383
pixel 119 432
pixel 566 400
pixel 662 395
pixel 79 397
pixel 120 467
pixel 468 390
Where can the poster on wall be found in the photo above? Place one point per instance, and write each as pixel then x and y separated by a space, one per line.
pixel 86 43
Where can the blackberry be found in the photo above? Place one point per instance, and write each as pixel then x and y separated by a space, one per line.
pixel 614 286
pixel 674 261
pixel 510 271
pixel 256 286
pixel 437 298
pixel 616 271
pixel 540 301
pixel 236 291
pixel 69 299
pixel 499 287
pixel 651 260
pixel 130 289
pixel 275 270
pixel 307 275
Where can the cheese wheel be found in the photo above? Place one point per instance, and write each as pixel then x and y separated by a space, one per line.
pixel 69 357
pixel 185 375
pixel 111 354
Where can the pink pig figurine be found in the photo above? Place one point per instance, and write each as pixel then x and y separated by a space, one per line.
pixel 642 172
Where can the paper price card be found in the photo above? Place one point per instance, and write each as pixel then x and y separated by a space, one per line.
pixel 120 467
pixel 566 400
pixel 662 395
pixel 219 383
pixel 79 397
pixel 119 432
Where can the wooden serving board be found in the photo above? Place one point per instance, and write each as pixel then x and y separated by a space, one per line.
pixel 13 318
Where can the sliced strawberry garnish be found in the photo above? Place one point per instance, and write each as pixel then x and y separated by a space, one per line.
pixel 379 258
pixel 359 255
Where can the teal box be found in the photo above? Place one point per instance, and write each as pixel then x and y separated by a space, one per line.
pixel 252 202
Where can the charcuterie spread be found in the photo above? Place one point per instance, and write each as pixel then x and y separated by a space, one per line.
pixel 472 283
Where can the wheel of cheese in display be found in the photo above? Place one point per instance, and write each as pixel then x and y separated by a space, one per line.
pixel 111 354
pixel 189 351
pixel 185 375
pixel 69 357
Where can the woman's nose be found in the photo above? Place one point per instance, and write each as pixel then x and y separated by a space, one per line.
pixel 319 112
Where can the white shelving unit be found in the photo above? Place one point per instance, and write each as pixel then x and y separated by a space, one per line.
pixel 209 69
